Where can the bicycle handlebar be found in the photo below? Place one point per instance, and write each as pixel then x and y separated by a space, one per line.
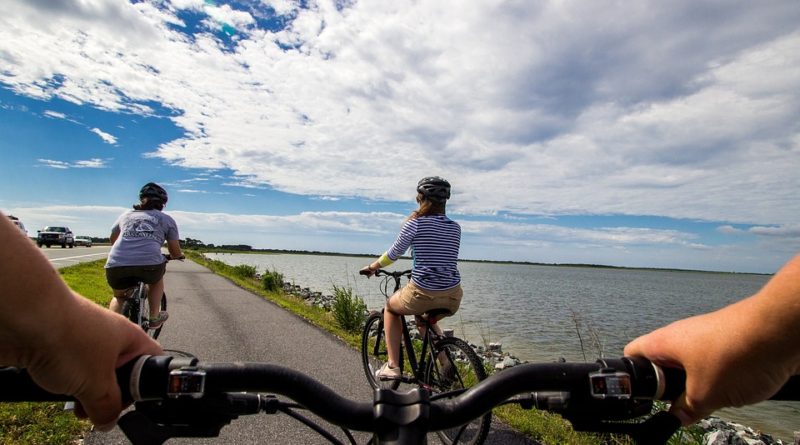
pixel 183 397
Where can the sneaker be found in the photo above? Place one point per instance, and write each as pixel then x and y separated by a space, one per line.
pixel 388 373
pixel 155 323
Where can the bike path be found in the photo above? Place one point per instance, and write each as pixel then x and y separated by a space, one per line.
pixel 215 320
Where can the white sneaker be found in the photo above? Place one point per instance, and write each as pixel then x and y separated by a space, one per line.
pixel 155 323
pixel 388 373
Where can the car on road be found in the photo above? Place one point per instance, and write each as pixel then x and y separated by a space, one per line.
pixel 60 235
pixel 83 241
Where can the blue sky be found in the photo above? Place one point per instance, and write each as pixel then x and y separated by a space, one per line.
pixel 652 135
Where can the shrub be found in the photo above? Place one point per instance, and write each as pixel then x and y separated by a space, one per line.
pixel 349 310
pixel 245 271
pixel 272 280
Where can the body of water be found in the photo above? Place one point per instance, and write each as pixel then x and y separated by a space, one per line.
pixel 534 311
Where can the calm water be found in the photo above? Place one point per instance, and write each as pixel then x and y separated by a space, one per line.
pixel 532 310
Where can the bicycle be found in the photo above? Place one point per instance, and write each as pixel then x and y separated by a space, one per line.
pixel 445 365
pixel 180 396
pixel 136 306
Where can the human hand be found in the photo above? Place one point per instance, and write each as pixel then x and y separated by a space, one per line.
pixel 368 271
pixel 79 357
pixel 730 357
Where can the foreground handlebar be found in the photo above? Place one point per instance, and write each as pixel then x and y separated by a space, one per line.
pixel 183 397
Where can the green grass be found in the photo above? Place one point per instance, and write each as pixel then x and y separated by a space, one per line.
pixel 39 423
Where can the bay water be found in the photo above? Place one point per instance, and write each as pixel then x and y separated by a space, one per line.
pixel 543 313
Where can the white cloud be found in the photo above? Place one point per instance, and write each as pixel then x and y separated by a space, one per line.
pixel 791 231
pixel 107 138
pixel 63 165
pixel 54 164
pixel 539 108
pixel 91 163
pixel 55 114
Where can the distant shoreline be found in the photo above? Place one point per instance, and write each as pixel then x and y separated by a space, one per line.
pixel 521 263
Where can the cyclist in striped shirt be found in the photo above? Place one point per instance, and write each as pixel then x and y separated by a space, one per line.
pixel 435 283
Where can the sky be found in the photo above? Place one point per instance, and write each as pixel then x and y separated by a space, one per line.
pixel 638 134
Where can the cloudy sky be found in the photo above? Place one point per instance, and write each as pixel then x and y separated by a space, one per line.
pixel 655 134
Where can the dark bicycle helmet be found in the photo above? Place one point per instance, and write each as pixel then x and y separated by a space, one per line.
pixel 153 191
pixel 434 188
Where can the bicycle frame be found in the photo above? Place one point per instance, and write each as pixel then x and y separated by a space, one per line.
pixel 137 298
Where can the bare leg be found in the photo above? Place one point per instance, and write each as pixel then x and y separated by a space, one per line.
pixel 116 302
pixel 154 297
pixel 393 328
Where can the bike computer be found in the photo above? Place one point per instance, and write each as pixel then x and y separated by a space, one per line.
pixel 609 383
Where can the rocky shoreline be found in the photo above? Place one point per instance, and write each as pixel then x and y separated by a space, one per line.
pixel 715 430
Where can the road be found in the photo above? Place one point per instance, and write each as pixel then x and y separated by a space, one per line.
pixel 69 257
pixel 217 321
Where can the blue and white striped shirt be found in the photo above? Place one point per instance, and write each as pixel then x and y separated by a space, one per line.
pixel 434 242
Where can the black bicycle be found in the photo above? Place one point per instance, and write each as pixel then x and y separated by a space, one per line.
pixel 180 396
pixel 136 306
pixel 439 364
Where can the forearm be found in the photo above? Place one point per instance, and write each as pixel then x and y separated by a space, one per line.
pixel 382 261
pixel 32 289
pixel 774 312
pixel 174 248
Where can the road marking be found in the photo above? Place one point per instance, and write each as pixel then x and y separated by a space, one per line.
pixel 79 256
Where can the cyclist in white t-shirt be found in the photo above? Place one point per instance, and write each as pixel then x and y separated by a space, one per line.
pixel 137 237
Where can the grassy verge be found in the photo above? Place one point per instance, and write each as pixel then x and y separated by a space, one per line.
pixel 48 423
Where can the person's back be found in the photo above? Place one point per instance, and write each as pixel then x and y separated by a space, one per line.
pixel 137 237
pixel 435 241
pixel 141 235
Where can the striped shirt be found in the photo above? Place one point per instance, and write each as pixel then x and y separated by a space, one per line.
pixel 434 241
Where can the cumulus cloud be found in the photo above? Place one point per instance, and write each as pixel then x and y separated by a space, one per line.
pixel 679 109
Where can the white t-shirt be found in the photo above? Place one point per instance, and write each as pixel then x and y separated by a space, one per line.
pixel 141 235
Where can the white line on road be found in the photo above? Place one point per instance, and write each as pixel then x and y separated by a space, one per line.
pixel 79 256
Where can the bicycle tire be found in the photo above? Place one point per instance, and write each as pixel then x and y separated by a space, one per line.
pixel 373 357
pixel 454 366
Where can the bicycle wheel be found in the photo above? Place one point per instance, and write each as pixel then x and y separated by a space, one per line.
pixel 457 367
pixel 130 307
pixel 373 351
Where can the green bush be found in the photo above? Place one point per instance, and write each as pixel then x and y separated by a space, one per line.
pixel 245 271
pixel 272 280
pixel 349 310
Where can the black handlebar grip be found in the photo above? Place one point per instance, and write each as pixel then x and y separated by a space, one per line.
pixel 674 383
pixel 790 391
pixel 16 385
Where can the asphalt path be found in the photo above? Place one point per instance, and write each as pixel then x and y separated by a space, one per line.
pixel 217 321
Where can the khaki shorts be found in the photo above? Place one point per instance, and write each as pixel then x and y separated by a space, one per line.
pixel 418 301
